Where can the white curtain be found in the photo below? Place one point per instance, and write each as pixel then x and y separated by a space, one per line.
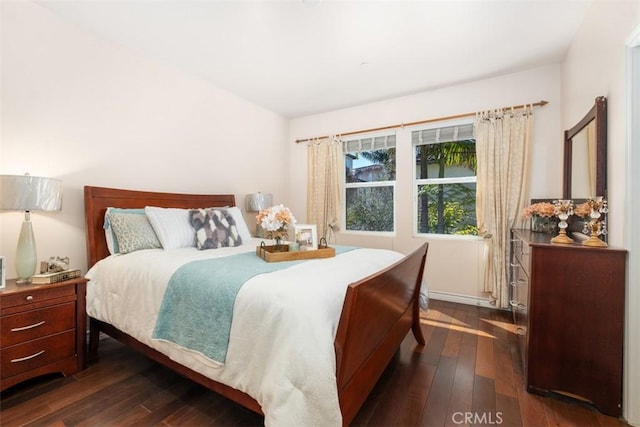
pixel 502 144
pixel 325 169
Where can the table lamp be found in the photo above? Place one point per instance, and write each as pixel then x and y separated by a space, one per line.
pixel 257 202
pixel 28 193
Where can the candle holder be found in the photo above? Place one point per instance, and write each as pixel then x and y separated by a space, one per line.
pixel 597 224
pixel 563 209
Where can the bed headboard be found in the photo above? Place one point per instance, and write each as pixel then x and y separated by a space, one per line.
pixel 98 199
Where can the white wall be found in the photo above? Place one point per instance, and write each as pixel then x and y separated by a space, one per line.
pixel 596 65
pixel 632 231
pixel 444 274
pixel 90 112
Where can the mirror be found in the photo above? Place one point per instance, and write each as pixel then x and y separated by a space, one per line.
pixel 585 155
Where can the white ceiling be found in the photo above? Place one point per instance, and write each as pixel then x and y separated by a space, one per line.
pixel 303 57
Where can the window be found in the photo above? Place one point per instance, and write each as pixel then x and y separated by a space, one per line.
pixel 445 180
pixel 370 177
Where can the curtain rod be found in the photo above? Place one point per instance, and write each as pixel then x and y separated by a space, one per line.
pixel 456 116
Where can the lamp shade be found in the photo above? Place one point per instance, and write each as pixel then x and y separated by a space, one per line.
pixel 258 201
pixel 30 193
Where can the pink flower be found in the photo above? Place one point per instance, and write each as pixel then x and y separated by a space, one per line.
pixel 582 210
pixel 539 209
pixel 275 218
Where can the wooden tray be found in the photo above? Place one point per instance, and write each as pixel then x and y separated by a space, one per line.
pixel 268 253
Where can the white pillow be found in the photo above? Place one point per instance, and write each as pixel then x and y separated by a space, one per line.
pixel 243 230
pixel 172 227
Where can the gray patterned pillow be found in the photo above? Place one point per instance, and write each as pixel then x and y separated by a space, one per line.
pixel 133 232
pixel 215 228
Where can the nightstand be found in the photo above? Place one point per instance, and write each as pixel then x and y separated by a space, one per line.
pixel 42 330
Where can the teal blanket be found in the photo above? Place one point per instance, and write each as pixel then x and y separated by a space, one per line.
pixel 197 308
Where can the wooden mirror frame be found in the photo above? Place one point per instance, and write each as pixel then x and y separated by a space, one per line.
pixel 597 113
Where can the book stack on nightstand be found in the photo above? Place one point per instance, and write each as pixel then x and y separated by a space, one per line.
pixel 42 329
pixel 58 276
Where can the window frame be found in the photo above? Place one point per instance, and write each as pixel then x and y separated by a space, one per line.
pixel 417 182
pixel 370 184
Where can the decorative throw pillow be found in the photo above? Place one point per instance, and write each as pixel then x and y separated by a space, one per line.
pixel 133 232
pixel 215 228
pixel 241 225
pixel 110 236
pixel 172 227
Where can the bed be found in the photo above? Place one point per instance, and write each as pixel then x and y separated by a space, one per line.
pixel 375 313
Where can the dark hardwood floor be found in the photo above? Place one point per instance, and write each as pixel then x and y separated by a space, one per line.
pixel 469 373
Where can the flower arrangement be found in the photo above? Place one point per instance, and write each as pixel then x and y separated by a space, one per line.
pixel 544 209
pixel 583 210
pixel 588 208
pixel 275 220
pixel 542 216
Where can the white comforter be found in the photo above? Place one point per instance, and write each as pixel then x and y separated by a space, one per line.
pixel 281 345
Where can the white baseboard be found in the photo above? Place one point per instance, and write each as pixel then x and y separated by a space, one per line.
pixel 461 299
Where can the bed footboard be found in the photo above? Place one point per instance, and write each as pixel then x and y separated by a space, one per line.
pixel 378 313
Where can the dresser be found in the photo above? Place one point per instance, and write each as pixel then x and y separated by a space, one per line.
pixel 42 330
pixel 568 304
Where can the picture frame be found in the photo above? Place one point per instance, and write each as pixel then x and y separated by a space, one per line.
pixel 306 236
pixel 3 277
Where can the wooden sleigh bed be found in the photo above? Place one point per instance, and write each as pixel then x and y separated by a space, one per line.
pixel 377 313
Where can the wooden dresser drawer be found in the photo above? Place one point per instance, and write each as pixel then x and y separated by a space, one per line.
pixel 30 325
pixel 33 354
pixel 521 252
pixel 35 297
pixel 519 296
pixel 568 304
pixel 42 330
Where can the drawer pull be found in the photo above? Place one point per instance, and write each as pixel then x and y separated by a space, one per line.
pixel 29 298
pixel 516 304
pixel 22 359
pixel 23 328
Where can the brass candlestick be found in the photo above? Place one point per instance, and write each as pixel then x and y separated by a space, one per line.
pixel 563 208
pixel 596 225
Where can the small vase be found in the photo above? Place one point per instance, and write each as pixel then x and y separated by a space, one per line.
pixel 544 224
pixel 278 245
pixel 278 236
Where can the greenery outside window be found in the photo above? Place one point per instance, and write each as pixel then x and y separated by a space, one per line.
pixel 445 180
pixel 370 174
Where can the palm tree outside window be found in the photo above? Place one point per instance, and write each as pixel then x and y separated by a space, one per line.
pixel 445 180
